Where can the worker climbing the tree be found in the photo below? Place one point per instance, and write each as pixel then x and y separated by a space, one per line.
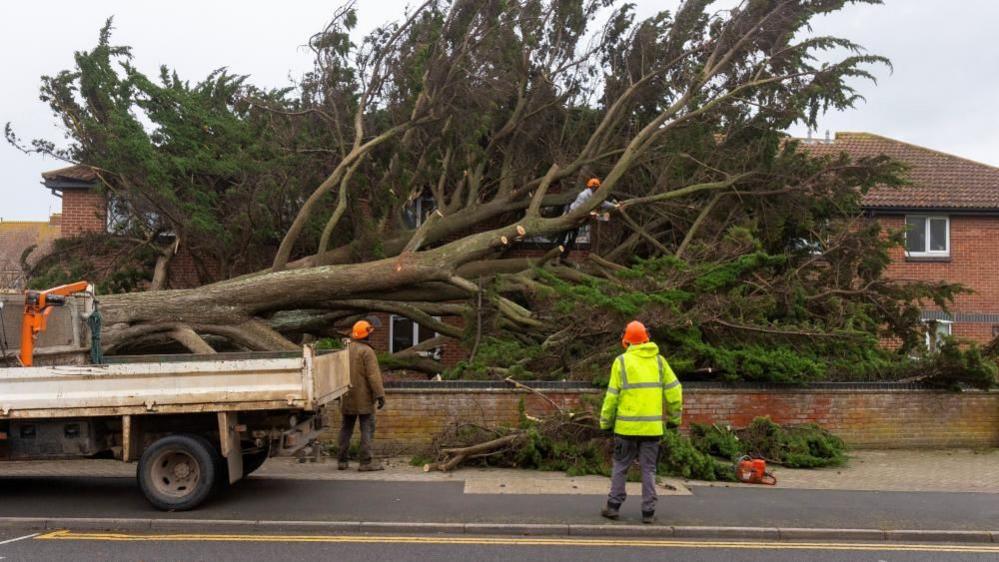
pixel 641 380
pixel 366 390
pixel 568 239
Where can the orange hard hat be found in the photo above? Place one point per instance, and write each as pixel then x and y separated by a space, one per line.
pixel 634 334
pixel 593 182
pixel 361 329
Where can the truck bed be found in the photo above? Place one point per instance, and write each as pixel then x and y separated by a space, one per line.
pixel 213 383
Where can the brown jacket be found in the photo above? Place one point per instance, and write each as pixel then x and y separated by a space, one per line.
pixel 365 380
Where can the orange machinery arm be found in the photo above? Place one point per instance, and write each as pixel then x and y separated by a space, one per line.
pixel 37 307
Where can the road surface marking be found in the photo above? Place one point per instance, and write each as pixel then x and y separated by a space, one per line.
pixel 513 541
pixel 8 541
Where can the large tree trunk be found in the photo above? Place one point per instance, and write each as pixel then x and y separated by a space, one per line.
pixel 233 308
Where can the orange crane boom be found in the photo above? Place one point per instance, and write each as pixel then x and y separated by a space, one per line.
pixel 37 307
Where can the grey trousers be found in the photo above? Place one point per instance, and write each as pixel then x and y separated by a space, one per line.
pixel 626 450
pixel 347 431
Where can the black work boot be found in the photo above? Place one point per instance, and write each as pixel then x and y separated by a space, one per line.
pixel 342 465
pixel 611 511
pixel 648 517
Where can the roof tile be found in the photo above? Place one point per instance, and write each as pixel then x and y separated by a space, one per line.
pixel 17 236
pixel 77 172
pixel 938 180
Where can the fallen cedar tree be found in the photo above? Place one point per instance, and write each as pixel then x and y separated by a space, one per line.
pixel 572 442
pixel 407 172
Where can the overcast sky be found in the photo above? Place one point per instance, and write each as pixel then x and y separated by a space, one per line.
pixel 942 93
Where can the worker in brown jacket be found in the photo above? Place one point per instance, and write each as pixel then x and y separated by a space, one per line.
pixel 366 390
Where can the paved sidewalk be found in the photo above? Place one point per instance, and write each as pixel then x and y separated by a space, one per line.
pixel 901 470
pixel 904 471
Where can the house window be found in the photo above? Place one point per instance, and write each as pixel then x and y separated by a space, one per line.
pixel 118 219
pixel 936 331
pixel 417 211
pixel 927 236
pixel 404 334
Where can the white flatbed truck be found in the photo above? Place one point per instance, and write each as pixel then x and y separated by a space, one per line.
pixel 193 423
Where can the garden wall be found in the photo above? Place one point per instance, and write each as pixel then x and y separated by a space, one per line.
pixel 865 416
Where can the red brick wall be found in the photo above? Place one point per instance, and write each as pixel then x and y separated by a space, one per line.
pixel 864 419
pixel 183 272
pixel 973 262
pixel 876 419
pixel 83 210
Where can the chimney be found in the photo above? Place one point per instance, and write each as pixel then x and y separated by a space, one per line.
pixel 808 139
pixel 828 140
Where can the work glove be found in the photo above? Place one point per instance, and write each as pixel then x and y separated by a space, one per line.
pixel 380 401
pixel 671 424
pixel 607 431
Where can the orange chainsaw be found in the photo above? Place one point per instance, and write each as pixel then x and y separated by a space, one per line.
pixel 753 471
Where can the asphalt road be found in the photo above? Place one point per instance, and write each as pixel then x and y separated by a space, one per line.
pixel 273 499
pixel 83 546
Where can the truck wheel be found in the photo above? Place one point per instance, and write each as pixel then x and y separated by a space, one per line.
pixel 253 461
pixel 178 472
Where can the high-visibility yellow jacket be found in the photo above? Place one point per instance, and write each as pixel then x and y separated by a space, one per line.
pixel 641 380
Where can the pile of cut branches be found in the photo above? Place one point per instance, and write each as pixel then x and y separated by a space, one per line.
pixel 572 442
pixel 793 446
pixel 563 440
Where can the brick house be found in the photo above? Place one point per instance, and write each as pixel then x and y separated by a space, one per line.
pixel 951 216
pixel 85 210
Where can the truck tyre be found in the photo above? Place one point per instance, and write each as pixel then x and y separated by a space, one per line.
pixel 178 472
pixel 253 461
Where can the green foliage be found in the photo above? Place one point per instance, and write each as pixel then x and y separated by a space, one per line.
pixel 801 446
pixel 196 161
pixel 420 460
pixel 575 459
pixel 568 445
pixel 716 441
pixel 679 457
pixel 715 278
pixel 752 315
pixel 600 294
pixel 329 343
pixel 952 366
pixel 100 261
pixel 496 356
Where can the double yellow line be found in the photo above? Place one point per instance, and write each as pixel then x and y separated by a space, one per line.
pixel 67 535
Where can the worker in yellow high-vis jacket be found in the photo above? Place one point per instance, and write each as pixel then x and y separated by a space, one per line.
pixel 641 381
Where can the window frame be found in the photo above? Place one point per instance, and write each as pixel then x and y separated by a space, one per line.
pixel 927 233
pixel 417 205
pixel 415 334
pixel 932 329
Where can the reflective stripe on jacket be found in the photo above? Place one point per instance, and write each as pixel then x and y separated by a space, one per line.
pixel 641 380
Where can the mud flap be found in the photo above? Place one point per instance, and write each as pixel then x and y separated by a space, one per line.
pixel 229 441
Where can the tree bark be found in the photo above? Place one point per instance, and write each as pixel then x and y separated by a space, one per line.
pixel 191 340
